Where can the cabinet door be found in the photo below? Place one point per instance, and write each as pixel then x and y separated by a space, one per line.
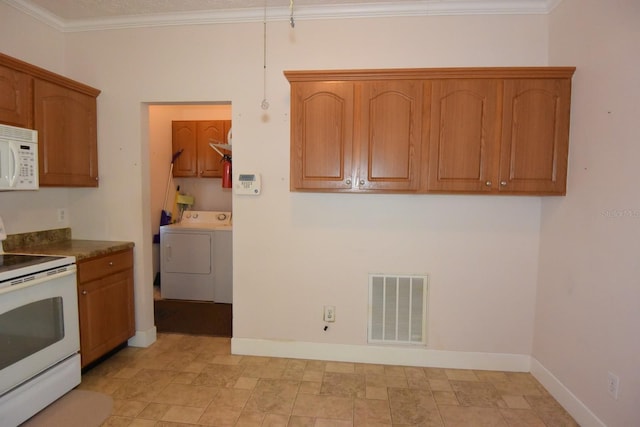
pixel 209 161
pixel 67 138
pixel 463 143
pixel 15 98
pixel 389 135
pixel 322 135
pixel 106 314
pixel 535 136
pixel 184 137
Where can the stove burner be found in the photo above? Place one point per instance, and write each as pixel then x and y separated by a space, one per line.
pixel 10 262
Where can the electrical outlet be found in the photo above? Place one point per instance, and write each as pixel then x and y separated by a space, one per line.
pixel 62 215
pixel 329 313
pixel 613 382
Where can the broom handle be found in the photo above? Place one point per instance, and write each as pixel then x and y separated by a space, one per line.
pixel 166 195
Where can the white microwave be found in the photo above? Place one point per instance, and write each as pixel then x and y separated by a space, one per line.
pixel 18 158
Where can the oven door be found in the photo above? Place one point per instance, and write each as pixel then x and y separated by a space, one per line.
pixel 38 326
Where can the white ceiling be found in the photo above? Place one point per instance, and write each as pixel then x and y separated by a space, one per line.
pixel 83 15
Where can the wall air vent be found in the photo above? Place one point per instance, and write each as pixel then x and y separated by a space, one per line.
pixel 398 309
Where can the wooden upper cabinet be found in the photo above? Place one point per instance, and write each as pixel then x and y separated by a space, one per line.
pixel 463 143
pixel 16 105
pixel 362 136
pixel 535 136
pixel 322 136
pixel 389 131
pixel 438 130
pixel 184 137
pixel 198 159
pixel 67 136
pixel 64 113
pixel 209 161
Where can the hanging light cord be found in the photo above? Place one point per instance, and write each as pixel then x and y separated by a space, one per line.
pixel 265 103
pixel 291 20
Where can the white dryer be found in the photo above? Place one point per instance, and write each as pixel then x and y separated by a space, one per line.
pixel 196 261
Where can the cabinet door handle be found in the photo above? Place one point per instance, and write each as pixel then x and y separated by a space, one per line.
pixel 84 292
pixel 488 183
pixel 110 263
pixel 503 183
pixel 348 181
pixel 361 182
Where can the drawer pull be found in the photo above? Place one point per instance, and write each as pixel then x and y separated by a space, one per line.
pixel 110 263
pixel 84 292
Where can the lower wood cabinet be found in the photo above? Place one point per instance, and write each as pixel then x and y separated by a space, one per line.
pixel 105 302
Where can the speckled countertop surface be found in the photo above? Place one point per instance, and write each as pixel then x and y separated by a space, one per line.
pixel 59 242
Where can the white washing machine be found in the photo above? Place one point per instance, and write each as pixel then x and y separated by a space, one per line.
pixel 196 261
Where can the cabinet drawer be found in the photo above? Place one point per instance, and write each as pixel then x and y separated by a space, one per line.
pixel 105 265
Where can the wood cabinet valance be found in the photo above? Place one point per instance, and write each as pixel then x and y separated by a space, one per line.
pixel 63 111
pixel 436 130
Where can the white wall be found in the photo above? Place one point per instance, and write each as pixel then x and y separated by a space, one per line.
pixel 294 252
pixel 588 310
pixel 30 41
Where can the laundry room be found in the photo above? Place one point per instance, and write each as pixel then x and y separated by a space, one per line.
pixel 189 151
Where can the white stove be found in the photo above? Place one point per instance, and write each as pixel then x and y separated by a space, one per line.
pixel 20 268
pixel 39 332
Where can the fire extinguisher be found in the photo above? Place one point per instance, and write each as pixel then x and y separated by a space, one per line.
pixel 226 171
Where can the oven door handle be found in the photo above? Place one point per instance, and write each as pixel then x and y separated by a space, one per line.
pixel 38 280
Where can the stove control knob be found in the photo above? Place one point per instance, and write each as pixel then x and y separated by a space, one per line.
pixel 222 217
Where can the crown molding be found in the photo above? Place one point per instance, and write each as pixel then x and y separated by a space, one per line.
pixel 302 13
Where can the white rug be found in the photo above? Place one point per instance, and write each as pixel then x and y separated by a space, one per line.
pixel 78 408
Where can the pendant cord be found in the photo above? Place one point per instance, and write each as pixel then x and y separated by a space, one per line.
pixel 291 20
pixel 265 103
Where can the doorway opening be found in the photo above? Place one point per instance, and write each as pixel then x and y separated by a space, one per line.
pixel 204 192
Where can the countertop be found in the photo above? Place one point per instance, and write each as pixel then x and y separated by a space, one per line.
pixel 59 242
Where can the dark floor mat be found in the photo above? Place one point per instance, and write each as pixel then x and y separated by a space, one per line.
pixel 193 317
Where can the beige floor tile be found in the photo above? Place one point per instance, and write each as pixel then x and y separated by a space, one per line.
pixel 128 408
pixel 332 407
pixel 219 416
pixel 219 375
pixel 187 381
pixel 310 387
pixel 413 407
pixel 322 422
pixel 515 402
pixel 183 414
pixel 186 395
pixel 246 383
pixel 275 420
pixel 445 398
pixel 521 418
pixel 465 416
pixel 139 422
pixel 297 421
pixel 368 411
pixel 379 393
pixel 154 411
pixel 117 421
pixel 342 367
pixel 461 375
pixel 341 384
pixel 440 385
pixel 249 420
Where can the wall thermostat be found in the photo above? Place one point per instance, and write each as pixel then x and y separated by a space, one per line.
pixel 248 183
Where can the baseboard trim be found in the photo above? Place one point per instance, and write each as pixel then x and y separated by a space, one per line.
pixel 143 338
pixel 574 406
pixel 406 356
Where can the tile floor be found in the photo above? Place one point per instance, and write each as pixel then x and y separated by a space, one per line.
pixel 184 380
